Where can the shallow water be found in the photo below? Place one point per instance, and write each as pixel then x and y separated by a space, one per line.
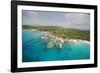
pixel 35 49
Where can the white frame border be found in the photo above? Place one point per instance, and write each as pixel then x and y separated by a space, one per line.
pixel 52 63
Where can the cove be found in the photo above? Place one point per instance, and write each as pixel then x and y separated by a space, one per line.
pixel 35 49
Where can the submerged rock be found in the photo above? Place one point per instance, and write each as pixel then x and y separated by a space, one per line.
pixel 50 45
pixel 59 45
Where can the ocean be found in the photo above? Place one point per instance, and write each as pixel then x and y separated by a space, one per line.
pixel 35 49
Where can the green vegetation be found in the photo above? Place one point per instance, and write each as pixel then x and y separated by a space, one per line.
pixel 66 33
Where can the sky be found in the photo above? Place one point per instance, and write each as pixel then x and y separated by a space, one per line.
pixel 52 18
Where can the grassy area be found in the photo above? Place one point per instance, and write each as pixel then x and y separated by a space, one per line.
pixel 66 33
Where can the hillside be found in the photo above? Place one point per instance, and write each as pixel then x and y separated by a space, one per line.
pixel 66 33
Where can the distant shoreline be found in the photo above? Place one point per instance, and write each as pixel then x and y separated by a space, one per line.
pixel 69 33
pixel 59 38
pixel 67 40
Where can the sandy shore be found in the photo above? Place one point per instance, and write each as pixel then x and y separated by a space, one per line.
pixel 66 40
pixel 61 39
pixel 30 29
pixel 77 40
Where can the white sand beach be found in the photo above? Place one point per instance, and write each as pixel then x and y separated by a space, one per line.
pixel 66 40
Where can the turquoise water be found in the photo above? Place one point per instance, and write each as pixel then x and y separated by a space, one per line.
pixel 35 49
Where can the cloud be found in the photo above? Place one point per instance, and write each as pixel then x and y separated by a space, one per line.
pixel 33 13
pixel 68 19
pixel 30 17
pixel 78 20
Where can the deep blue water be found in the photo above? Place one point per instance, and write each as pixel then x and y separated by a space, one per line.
pixel 35 49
